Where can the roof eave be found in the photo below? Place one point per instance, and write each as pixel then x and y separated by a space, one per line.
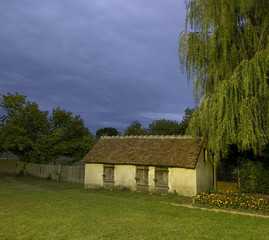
pixel 147 165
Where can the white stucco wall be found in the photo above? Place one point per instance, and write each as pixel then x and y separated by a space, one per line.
pixel 124 176
pixel 151 175
pixel 186 182
pixel 182 180
pixel 93 175
pixel 204 171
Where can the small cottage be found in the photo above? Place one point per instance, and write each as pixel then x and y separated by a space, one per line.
pixel 150 163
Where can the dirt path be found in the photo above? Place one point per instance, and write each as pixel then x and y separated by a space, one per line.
pixel 220 210
pixel 27 186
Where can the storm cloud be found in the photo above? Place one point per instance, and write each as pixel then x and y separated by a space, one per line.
pixel 112 62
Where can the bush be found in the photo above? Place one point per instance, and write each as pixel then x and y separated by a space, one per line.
pixel 173 194
pixel 254 177
pixel 20 173
pixel 49 177
pixel 231 200
pixel 212 190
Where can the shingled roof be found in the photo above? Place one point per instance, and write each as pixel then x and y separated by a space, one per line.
pixel 166 151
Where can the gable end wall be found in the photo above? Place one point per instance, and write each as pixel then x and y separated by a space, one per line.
pixel 183 181
pixel 204 172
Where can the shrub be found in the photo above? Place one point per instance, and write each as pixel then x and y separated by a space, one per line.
pixel 173 194
pixel 254 177
pixel 231 200
pixel 20 173
pixel 49 177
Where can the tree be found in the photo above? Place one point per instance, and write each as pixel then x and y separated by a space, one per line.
pixel 28 132
pixel 106 132
pixel 164 127
pixel 135 129
pixel 25 128
pixel 226 56
pixel 186 120
pixel 68 135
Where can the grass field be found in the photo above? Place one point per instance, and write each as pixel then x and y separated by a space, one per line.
pixel 41 209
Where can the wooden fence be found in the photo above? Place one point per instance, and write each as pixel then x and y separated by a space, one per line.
pixel 74 174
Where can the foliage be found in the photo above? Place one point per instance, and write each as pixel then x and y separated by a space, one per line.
pixel 226 55
pixel 28 131
pixel 186 120
pixel 164 127
pixel 161 127
pixel 168 127
pixel 135 129
pixel 68 134
pixel 106 132
pixel 212 190
pixel 254 177
pixel 231 200
pixel 25 128
pixel 20 173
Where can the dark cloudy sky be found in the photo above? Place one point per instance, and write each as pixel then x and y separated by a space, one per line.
pixel 110 61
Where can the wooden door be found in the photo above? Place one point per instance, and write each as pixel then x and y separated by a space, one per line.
pixel 161 180
pixel 108 176
pixel 142 182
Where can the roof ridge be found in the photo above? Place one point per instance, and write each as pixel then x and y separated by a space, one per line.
pixel 150 137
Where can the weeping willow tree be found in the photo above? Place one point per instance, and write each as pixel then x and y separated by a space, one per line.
pixel 226 56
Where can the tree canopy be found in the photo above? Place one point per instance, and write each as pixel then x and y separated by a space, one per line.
pixel 164 127
pixel 28 131
pixel 135 129
pixel 226 56
pixel 69 135
pixel 25 127
pixel 106 132
pixel 161 126
pixel 186 120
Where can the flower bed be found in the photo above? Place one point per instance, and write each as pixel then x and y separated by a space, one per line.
pixel 231 200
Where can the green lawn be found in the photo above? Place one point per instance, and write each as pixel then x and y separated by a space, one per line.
pixel 41 209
